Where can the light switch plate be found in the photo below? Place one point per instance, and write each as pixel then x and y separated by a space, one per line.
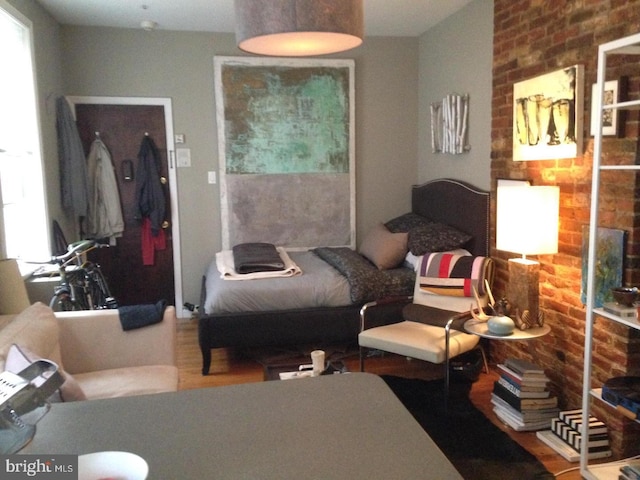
pixel 183 156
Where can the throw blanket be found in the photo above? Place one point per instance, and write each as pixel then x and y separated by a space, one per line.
pixel 454 275
pixel 256 257
pixel 226 266
pixel 366 282
pixel 138 316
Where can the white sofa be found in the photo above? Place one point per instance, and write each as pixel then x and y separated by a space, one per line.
pixel 104 360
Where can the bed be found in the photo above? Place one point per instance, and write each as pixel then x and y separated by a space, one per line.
pixel 333 315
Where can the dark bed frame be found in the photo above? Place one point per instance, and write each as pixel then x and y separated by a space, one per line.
pixel 448 201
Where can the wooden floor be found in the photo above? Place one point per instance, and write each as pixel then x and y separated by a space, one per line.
pixel 229 367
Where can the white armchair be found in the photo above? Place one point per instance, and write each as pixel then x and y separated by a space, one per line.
pixel 430 327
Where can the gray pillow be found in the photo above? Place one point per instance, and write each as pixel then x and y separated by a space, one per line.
pixel 384 249
pixel 406 222
pixel 435 237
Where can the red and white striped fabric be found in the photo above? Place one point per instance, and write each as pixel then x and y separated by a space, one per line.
pixel 452 274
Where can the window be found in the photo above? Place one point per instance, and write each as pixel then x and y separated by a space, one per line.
pixel 23 217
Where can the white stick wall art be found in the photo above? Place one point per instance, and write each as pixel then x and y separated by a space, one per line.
pixel 449 125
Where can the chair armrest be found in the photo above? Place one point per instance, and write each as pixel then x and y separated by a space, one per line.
pixel 434 316
pixel 94 340
pixel 382 312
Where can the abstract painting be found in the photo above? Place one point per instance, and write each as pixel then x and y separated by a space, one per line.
pixel 286 150
pixel 547 115
pixel 609 263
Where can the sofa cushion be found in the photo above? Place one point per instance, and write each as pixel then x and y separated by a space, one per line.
pixel 128 381
pixel 20 358
pixel 36 329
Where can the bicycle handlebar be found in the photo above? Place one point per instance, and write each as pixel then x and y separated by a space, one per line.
pixel 77 248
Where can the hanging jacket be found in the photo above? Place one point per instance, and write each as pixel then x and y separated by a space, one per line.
pixel 150 199
pixel 73 167
pixel 104 219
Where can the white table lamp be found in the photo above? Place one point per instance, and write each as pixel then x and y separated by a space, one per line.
pixel 527 224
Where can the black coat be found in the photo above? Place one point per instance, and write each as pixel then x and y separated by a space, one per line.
pixel 150 199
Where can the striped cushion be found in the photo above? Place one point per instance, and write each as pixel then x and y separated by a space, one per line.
pixel 452 274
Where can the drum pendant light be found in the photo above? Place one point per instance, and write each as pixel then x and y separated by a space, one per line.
pixel 298 28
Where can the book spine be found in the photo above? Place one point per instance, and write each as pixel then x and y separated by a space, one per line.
pixel 507 396
pixel 522 367
pixel 522 380
pixel 510 374
pixel 514 389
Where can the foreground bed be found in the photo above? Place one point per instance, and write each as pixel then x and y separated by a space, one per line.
pixel 444 201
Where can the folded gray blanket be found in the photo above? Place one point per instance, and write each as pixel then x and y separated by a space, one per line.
pixel 138 316
pixel 256 257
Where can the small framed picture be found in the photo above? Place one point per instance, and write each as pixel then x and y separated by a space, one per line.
pixel 611 118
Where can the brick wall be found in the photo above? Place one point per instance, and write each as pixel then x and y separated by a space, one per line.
pixel 533 37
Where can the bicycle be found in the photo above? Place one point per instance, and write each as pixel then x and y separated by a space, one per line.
pixel 82 284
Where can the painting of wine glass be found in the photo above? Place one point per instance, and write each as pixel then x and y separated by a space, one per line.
pixel 547 115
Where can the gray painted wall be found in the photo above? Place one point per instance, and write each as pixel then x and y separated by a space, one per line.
pixel 456 56
pixel 396 80
pixel 124 62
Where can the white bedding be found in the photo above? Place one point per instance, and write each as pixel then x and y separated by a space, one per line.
pixel 319 285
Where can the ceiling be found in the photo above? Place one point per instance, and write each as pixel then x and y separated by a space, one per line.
pixel 394 18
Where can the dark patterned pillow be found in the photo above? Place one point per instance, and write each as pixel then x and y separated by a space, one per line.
pixel 436 237
pixel 407 222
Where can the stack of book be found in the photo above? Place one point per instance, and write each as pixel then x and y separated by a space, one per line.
pixel 631 471
pixel 521 398
pixel 565 436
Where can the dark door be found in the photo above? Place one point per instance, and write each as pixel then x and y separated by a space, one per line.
pixel 122 129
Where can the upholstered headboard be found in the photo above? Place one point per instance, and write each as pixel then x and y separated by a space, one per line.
pixel 458 204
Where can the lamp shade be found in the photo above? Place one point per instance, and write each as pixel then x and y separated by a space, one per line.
pixel 298 27
pixel 527 219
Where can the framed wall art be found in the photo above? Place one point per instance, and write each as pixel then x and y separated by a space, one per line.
pixel 610 265
pixel 286 136
pixel 547 115
pixel 612 119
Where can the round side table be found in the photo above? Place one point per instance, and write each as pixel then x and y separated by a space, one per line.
pixel 482 330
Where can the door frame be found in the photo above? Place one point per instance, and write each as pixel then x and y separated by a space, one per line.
pixel 173 180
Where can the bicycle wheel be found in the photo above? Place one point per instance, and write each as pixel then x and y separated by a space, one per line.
pixel 99 289
pixel 62 302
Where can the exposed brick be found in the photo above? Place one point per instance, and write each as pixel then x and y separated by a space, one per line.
pixel 533 37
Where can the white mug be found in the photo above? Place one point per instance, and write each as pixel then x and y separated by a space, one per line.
pixel 317 359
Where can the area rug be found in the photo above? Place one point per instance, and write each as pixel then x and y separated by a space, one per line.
pixel 475 446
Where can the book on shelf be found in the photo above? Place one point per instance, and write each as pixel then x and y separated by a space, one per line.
pixel 631 469
pixel 565 450
pixel 620 310
pixel 531 380
pixel 520 403
pixel 627 474
pixel 523 392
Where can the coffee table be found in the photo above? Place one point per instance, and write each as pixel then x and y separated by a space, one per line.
pixel 272 372
pixel 329 427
